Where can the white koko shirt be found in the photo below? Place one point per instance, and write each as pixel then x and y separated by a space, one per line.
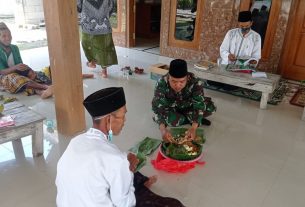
pixel 93 172
pixel 239 45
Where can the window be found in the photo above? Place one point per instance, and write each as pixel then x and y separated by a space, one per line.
pixel 117 16
pixel 114 16
pixel 185 23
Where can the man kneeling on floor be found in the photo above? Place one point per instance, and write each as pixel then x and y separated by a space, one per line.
pixel 179 99
pixel 94 172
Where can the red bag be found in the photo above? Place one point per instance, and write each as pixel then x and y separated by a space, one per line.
pixel 173 166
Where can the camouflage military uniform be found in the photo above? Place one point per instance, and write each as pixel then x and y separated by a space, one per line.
pixel 185 107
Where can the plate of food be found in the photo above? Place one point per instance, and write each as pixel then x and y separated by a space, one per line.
pixel 187 152
pixel 183 149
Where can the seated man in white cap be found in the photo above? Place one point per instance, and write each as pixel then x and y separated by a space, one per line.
pixel 241 42
pixel 94 172
pixel 179 99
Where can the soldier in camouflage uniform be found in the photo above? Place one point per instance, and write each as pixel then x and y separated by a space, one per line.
pixel 179 99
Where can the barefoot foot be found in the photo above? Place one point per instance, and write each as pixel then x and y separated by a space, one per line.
pixel 47 93
pixel 91 64
pixel 104 73
pixel 151 180
pixel 86 75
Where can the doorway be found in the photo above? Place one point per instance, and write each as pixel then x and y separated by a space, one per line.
pixel 292 63
pixel 145 26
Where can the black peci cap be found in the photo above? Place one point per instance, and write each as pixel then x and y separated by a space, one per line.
pixel 245 16
pixel 105 101
pixel 178 68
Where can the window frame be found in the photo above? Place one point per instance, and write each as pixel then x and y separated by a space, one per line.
pixel 119 17
pixel 172 41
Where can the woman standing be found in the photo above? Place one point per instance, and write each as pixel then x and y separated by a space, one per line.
pixel 12 68
pixel 96 35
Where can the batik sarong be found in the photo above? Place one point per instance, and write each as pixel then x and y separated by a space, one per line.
pixel 14 83
pixel 99 48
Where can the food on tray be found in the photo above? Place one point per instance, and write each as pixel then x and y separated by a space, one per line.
pixel 183 152
pixel 183 149
pixel 183 139
pixel 191 148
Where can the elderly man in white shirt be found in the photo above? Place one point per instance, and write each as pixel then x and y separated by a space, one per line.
pixel 93 172
pixel 241 42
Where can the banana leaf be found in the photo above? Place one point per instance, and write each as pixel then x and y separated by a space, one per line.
pixel 142 161
pixel 146 146
pixel 143 149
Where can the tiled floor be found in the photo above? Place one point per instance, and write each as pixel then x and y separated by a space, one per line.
pixel 254 158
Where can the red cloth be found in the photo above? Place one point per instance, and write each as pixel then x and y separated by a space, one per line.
pixel 243 71
pixel 173 166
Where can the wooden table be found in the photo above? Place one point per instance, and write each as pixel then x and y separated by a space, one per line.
pixel 27 122
pixel 243 80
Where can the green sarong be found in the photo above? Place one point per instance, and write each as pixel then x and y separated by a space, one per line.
pixel 99 48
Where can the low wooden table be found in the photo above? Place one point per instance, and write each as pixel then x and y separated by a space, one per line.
pixel 243 80
pixel 27 122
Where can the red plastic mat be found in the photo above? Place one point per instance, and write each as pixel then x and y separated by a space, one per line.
pixel 174 166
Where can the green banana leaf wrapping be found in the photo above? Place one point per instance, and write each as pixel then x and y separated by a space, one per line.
pixel 142 161
pixel 144 148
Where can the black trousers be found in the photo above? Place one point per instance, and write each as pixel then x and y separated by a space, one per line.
pixel 146 198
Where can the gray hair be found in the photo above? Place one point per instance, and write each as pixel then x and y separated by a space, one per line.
pixel 3 27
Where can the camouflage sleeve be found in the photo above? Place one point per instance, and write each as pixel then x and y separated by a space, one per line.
pixel 160 104
pixel 198 101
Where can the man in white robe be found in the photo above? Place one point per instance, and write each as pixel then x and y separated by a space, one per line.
pixel 241 42
pixel 93 172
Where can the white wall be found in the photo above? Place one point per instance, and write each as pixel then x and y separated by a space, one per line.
pixel 7 7
pixel 29 12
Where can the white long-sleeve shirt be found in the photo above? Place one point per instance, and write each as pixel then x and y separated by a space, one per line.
pixel 93 172
pixel 240 46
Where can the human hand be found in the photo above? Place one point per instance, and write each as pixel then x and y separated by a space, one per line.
pixel 191 133
pixel 21 67
pixel 166 135
pixel 231 57
pixel 253 62
pixel 133 162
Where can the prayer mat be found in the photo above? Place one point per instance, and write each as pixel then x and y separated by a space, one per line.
pixel 299 98
pixel 275 98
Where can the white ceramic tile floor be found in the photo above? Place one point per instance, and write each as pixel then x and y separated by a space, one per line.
pixel 254 158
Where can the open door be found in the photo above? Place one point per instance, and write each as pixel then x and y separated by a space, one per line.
pixel 292 63
pixel 131 23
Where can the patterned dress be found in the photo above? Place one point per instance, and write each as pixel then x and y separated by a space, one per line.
pixel 13 82
pixel 96 36
pixel 185 107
